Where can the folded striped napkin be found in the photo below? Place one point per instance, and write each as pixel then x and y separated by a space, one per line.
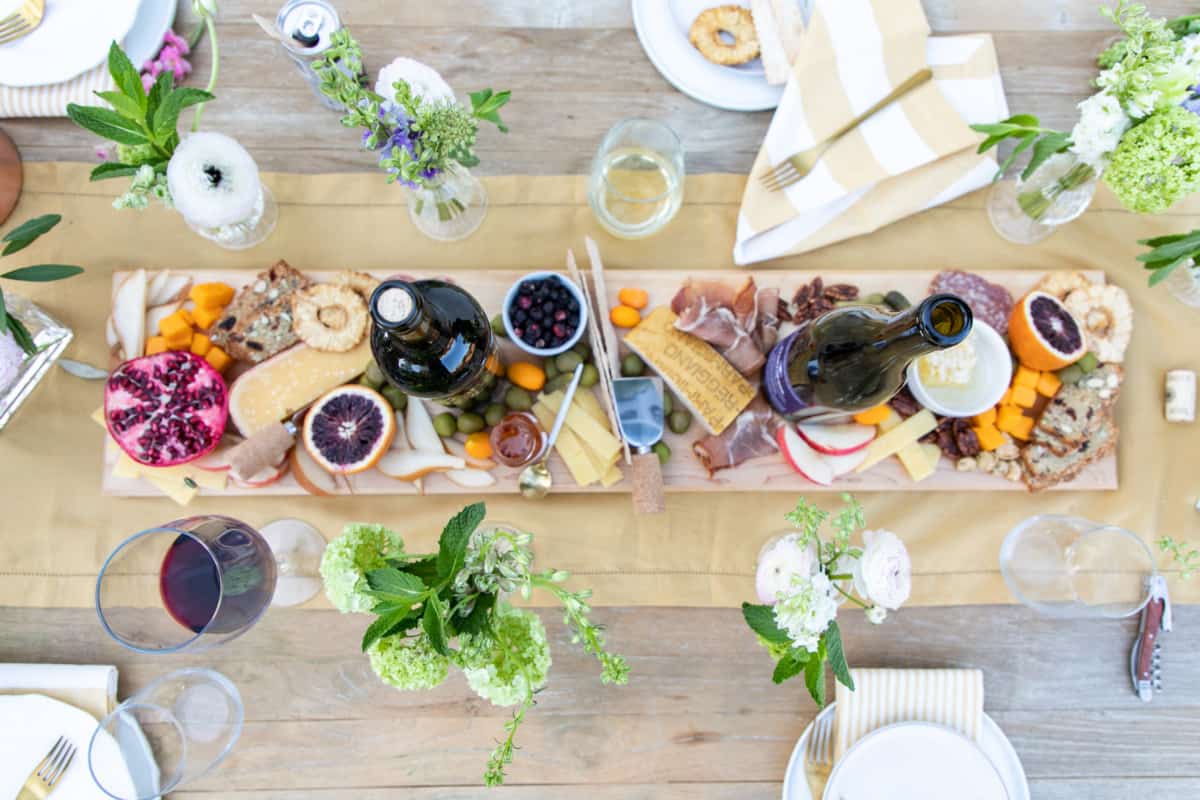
pixel 950 697
pixel 92 688
pixel 917 153
pixel 50 100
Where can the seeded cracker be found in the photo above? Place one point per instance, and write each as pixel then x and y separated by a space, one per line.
pixel 258 323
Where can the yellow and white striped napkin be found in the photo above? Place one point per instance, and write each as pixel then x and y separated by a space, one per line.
pixel 917 153
pixel 950 697
pixel 50 100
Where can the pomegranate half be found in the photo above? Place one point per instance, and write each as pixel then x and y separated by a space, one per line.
pixel 166 409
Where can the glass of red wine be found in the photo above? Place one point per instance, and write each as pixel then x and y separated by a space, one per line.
pixel 189 584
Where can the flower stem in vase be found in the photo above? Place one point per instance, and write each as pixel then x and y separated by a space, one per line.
pixel 1025 211
pixel 1036 202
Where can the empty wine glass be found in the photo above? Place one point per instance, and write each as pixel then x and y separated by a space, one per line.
pixel 189 584
pixel 172 732
pixel 297 548
pixel 1066 566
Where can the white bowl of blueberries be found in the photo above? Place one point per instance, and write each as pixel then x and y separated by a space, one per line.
pixel 544 314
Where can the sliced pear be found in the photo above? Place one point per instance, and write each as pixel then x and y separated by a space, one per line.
pixel 400 440
pixel 456 448
pixel 167 287
pixel 129 315
pixel 110 335
pixel 309 474
pixel 471 478
pixel 419 425
pixel 409 465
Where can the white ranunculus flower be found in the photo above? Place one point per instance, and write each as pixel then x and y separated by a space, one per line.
pixel 1102 123
pixel 781 559
pixel 213 180
pixel 883 575
pixel 807 609
pixel 425 81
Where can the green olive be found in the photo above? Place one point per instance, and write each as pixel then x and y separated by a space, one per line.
pixel 590 376
pixel 373 376
pixel 445 424
pixel 668 404
pixel 488 380
pixel 551 370
pixel 558 384
pixel 498 326
pixel 493 414
pixel 662 451
pixel 679 421
pixel 397 398
pixel 517 399
pixel 875 299
pixel 568 361
pixel 896 301
pixel 583 349
pixel 632 366
pixel 470 423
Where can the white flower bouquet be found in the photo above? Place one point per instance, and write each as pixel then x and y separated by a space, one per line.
pixel 801 582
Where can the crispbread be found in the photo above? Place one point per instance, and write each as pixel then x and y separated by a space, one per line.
pixel 1078 410
pixel 1043 468
pixel 258 323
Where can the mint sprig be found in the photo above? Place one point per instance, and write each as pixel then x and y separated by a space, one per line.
pixel 1028 132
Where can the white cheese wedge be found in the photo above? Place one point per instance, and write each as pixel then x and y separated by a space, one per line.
pixel 893 441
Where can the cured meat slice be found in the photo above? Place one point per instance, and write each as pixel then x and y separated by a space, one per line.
pixel 766 332
pixel 990 303
pixel 727 318
pixel 751 435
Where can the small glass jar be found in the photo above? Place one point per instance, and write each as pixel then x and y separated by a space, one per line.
pixel 51 338
pixel 1184 284
pixel 450 206
pixel 518 439
pixel 1026 211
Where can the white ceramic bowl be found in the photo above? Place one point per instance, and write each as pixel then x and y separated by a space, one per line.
pixel 993 374
pixel 546 351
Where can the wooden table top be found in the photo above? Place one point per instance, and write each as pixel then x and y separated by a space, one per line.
pixel 700 718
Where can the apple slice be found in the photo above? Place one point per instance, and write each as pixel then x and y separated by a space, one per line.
pixel 471 478
pixel 805 460
pixel 837 440
pixel 456 448
pixel 309 474
pixel 408 465
pixel 840 465
pixel 217 460
pixel 419 426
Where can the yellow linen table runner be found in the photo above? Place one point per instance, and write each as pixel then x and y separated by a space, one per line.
pixel 56 527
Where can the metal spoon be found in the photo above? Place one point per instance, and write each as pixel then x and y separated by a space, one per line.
pixel 535 480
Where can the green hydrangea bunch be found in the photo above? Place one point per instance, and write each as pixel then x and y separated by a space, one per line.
pixel 360 549
pixel 1157 162
pixel 509 663
pixel 409 664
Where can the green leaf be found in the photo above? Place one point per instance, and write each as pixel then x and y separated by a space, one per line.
pixel 27 232
pixel 1163 273
pixel 814 679
pixel 837 655
pixel 761 619
pixel 480 618
pixel 990 142
pixel 434 626
pixel 167 116
pixel 158 93
pixel 1169 252
pixel 384 626
pixel 1045 147
pixel 42 273
pixel 1159 241
pixel 126 76
pixel 21 335
pixel 107 123
pixel 123 105
pixel 425 569
pixel 788 667
pixel 452 546
pixel 1025 143
pixel 392 585
pixel 113 169
pixel 3 314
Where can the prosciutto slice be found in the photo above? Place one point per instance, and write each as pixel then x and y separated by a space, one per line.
pixel 735 321
pixel 751 435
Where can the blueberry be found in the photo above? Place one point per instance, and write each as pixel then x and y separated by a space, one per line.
pixel 572 304
pixel 520 317
pixel 560 315
pixel 547 307
pixel 536 314
pixel 560 330
pixel 527 287
pixel 524 302
pixel 519 332
pixel 535 329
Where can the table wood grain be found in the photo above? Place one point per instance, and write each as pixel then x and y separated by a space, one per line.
pixel 700 718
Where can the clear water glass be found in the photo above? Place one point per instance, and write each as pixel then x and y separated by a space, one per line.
pixel 636 183
pixel 245 234
pixel 1184 284
pixel 1065 566
pixel 190 584
pixel 171 733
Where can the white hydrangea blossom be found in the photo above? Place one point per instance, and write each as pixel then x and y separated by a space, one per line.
pixel 1102 123
pixel 806 612
pixel 425 82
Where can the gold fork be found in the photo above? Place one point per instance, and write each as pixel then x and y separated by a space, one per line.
pixel 796 167
pixel 818 755
pixel 22 21
pixel 40 782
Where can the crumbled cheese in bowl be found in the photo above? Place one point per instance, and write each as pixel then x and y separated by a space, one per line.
pixel 952 367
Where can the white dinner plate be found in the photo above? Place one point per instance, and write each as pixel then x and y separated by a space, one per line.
pixel 29 726
pixel 154 18
pixel 73 37
pixel 992 742
pixel 662 28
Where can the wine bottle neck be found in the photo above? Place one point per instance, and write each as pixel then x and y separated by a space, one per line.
pixel 398 308
pixel 939 322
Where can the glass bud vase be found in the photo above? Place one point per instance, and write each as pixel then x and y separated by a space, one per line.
pixel 1027 211
pixel 20 373
pixel 1184 284
pixel 246 233
pixel 450 206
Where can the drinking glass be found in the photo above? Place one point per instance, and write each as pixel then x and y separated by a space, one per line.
pixel 172 732
pixel 1066 566
pixel 297 548
pixel 636 183
pixel 189 584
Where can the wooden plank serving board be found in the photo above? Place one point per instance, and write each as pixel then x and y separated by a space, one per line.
pixel 683 473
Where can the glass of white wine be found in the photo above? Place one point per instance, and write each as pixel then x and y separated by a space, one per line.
pixel 636 184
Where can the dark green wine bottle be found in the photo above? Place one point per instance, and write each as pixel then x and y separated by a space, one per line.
pixel 854 358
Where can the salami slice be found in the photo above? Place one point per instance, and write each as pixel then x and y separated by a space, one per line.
pixel 990 303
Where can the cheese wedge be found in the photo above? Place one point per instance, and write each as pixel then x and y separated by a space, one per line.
pixel 893 441
pixel 595 434
pixel 569 448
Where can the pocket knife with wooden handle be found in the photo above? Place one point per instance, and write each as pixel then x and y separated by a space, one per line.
pixel 1145 659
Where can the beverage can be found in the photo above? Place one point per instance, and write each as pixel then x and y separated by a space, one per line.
pixel 307 28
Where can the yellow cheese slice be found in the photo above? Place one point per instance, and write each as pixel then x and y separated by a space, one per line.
pixel 594 433
pixel 588 402
pixel 286 383
pixel 612 476
pixel 569 448
pixel 916 462
pixel 899 437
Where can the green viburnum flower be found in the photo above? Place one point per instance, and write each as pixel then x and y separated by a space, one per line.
pixel 359 549
pixel 410 664
pixel 136 154
pixel 1157 162
pixel 512 663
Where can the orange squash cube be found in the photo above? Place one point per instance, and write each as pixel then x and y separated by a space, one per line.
pixel 175 329
pixel 1013 422
pixel 989 437
pixel 218 358
pixel 201 344
pixel 186 316
pixel 873 416
pixel 1026 377
pixel 1006 399
pixel 205 316
pixel 211 295
pixel 1048 385
pixel 986 418
pixel 1022 429
pixel 1024 396
pixel 156 344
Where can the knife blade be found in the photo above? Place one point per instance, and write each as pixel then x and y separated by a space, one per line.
pixel 1145 659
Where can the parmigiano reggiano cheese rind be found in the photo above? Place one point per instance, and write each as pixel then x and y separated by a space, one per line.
pixel 702 379
pixel 280 386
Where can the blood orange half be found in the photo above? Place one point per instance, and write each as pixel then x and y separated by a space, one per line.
pixel 349 429
pixel 1044 334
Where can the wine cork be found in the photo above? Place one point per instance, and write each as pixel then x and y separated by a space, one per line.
pixel 646 476
pixel 1180 397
